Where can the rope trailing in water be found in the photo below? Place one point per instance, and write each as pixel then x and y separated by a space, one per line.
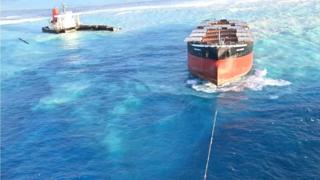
pixel 210 145
pixel 26 42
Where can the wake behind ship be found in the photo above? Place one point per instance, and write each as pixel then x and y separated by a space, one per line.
pixel 220 51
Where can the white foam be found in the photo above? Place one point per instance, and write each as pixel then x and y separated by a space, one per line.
pixel 113 141
pixel 274 97
pixel 192 81
pixel 11 17
pixel 255 82
pixel 193 4
pixel 18 21
pixel 62 94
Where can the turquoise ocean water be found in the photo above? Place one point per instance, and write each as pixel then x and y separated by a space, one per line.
pixel 101 105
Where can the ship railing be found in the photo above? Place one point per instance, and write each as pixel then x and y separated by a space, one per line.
pixel 190 39
pixel 215 44
pixel 197 34
pixel 219 26
pixel 222 32
pixel 238 28
pixel 199 31
pixel 235 26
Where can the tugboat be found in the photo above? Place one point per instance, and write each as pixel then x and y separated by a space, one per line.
pixel 220 51
pixel 67 21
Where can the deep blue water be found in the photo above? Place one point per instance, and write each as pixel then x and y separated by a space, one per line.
pixel 123 105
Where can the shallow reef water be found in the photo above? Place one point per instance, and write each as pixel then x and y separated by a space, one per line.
pixel 97 105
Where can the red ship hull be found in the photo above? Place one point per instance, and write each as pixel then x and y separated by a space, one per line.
pixel 220 71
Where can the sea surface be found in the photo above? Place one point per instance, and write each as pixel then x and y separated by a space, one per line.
pixel 122 105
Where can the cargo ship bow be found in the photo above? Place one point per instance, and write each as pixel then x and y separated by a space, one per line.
pixel 220 51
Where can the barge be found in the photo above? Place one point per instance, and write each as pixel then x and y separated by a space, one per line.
pixel 220 51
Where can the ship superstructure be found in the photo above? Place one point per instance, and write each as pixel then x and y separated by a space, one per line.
pixel 63 21
pixel 67 21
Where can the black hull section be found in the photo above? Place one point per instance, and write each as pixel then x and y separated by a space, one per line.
pixel 217 53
